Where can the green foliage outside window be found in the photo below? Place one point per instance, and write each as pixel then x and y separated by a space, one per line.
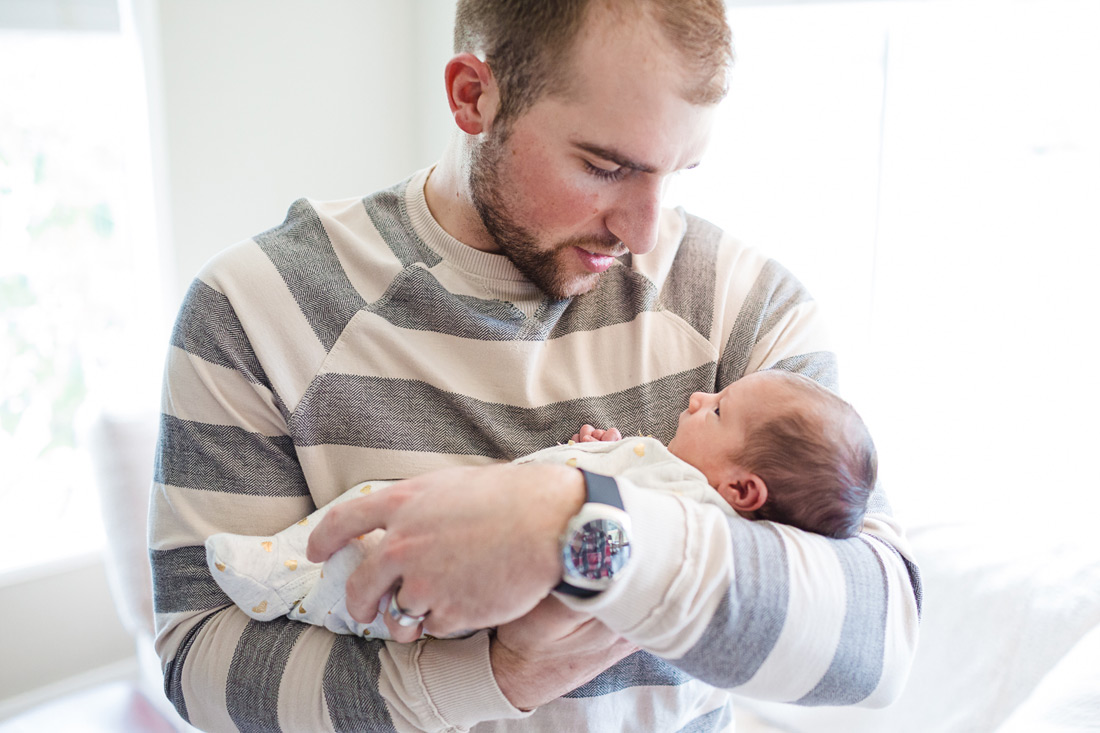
pixel 73 282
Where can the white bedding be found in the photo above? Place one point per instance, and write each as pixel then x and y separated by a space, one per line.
pixel 1010 638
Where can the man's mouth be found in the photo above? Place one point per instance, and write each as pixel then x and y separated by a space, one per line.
pixel 596 262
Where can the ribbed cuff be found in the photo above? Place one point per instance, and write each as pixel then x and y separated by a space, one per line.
pixel 458 677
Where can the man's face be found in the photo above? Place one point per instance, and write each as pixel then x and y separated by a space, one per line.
pixel 576 180
pixel 715 425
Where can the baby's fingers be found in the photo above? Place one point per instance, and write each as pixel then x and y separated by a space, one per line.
pixel 585 434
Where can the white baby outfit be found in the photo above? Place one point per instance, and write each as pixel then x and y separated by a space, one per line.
pixel 269 577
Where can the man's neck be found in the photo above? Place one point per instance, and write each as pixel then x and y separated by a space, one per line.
pixel 448 199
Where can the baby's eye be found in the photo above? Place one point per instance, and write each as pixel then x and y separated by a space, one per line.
pixel 717 411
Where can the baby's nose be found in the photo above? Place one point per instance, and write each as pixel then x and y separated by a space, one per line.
pixel 696 401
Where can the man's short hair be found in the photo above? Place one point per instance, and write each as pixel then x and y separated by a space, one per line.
pixel 527 43
pixel 817 459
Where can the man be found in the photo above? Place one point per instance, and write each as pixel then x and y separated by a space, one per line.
pixel 529 281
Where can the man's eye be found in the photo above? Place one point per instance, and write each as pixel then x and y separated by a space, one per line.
pixel 603 173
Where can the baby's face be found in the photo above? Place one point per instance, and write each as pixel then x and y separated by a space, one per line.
pixel 715 425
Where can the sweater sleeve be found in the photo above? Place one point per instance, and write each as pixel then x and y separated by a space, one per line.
pixel 226 462
pixel 765 610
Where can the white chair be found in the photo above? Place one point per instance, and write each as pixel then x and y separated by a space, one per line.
pixel 123 448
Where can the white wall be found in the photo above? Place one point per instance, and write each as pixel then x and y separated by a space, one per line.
pixel 267 101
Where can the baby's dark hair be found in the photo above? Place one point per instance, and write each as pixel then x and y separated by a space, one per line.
pixel 817 459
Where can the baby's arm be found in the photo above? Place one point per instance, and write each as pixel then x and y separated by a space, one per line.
pixel 589 434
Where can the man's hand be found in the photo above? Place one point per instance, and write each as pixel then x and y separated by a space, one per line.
pixel 550 651
pixel 472 547
pixel 589 434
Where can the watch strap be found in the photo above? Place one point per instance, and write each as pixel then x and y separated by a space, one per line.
pixel 601 489
pixel 572 590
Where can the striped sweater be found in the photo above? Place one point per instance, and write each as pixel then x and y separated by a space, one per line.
pixel 359 340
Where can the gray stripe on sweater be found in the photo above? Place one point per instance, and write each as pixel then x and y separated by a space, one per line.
pixel 915 583
pixel 774 294
pixel 350 686
pixel 753 629
pixel 640 669
pixel 182 581
pixel 252 685
pixel 877 502
pixel 226 458
pixel 415 300
pixel 390 215
pixel 910 567
pixel 820 366
pixel 208 327
pixel 173 671
pixel 407 415
pixel 689 289
pixel 622 294
pixel 857 665
pixel 300 250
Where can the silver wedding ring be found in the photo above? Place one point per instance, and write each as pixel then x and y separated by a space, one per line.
pixel 400 615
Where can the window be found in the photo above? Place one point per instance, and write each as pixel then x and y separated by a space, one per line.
pixel 931 171
pixel 79 280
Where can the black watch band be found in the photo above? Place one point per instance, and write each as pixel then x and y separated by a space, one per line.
pixel 601 489
pixel 572 590
pixel 598 489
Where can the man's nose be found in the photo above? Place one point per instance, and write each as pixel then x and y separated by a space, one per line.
pixel 636 216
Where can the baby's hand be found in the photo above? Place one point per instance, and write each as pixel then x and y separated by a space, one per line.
pixel 589 434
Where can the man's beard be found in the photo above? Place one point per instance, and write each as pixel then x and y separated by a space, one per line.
pixel 543 266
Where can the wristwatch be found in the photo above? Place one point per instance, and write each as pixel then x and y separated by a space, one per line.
pixel 595 548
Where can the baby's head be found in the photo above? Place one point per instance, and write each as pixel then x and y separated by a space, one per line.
pixel 780 446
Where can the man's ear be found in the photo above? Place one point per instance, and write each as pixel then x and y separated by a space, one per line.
pixel 472 93
pixel 746 493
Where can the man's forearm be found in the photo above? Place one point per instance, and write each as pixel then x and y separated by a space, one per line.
pixel 529 681
pixel 551 651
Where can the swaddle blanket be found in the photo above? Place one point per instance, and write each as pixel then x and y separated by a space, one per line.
pixel 269 577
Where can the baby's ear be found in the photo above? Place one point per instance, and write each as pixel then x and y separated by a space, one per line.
pixel 745 492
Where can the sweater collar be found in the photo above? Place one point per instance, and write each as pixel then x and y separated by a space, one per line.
pixel 458 254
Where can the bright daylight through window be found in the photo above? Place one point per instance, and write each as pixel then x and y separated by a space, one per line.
pixel 78 277
pixel 931 171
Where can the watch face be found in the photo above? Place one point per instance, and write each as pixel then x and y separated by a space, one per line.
pixel 597 552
